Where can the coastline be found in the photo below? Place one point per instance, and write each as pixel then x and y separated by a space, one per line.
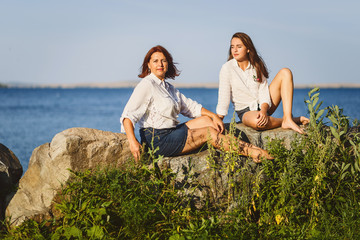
pixel 132 84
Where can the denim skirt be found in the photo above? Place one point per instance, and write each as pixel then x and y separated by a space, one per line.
pixel 171 141
pixel 241 113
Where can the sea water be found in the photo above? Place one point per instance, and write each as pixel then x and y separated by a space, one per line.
pixel 30 117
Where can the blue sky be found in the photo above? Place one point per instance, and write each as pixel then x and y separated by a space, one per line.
pixel 53 42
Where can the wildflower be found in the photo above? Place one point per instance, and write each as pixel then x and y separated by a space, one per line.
pixel 278 219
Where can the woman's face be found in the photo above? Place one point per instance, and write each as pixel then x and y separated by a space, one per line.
pixel 158 65
pixel 238 50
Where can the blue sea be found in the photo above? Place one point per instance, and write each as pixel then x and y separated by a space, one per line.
pixel 30 117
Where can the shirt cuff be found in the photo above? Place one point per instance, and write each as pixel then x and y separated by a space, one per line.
pixel 122 125
pixel 198 110
pixel 221 112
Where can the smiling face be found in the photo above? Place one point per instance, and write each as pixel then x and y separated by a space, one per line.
pixel 238 50
pixel 158 65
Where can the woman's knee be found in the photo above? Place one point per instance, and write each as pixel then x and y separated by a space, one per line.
pixel 203 121
pixel 286 72
pixel 206 121
pixel 249 118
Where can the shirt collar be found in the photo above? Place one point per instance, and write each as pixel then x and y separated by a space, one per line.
pixel 235 64
pixel 157 80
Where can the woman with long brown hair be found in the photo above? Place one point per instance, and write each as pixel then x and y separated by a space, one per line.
pixel 155 105
pixel 243 80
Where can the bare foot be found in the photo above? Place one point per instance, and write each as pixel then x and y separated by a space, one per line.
pixel 257 154
pixel 304 120
pixel 301 120
pixel 286 124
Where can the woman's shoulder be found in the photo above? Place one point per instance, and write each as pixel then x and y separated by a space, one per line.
pixel 146 82
pixel 229 64
pixel 227 67
pixel 144 86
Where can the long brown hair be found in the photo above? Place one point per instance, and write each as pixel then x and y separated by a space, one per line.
pixel 172 71
pixel 253 56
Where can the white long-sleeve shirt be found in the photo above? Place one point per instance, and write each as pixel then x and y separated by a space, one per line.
pixel 241 88
pixel 157 104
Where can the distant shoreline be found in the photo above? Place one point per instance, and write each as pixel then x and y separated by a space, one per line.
pixel 132 84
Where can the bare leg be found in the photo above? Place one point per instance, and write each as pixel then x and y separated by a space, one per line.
pixel 249 119
pixel 200 122
pixel 282 88
pixel 205 132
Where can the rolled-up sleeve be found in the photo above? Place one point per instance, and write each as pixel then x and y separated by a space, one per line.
pixel 189 107
pixel 137 105
pixel 224 92
pixel 264 94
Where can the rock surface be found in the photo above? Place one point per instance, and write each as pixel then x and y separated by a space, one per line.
pixel 10 173
pixel 75 149
pixel 261 138
pixel 82 148
pixel 205 178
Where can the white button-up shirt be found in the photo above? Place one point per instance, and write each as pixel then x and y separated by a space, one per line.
pixel 157 104
pixel 241 88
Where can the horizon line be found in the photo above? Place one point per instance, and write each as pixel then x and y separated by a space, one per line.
pixel 132 84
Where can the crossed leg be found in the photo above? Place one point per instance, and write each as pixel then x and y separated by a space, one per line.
pixel 202 130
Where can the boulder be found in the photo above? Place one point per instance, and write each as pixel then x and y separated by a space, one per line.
pixel 82 148
pixel 10 173
pixel 73 149
pixel 261 138
pixel 204 177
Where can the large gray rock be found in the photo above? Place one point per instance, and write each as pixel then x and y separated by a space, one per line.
pixel 204 177
pixel 75 149
pixel 261 138
pixel 202 174
pixel 10 173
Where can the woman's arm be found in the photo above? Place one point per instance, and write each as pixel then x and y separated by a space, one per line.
pixel 264 93
pixel 137 104
pixel 216 119
pixel 134 145
pixel 265 103
pixel 224 92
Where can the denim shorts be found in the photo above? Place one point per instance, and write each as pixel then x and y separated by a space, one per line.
pixel 241 113
pixel 171 141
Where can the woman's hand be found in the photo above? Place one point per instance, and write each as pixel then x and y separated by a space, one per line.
pixel 262 119
pixel 135 148
pixel 219 124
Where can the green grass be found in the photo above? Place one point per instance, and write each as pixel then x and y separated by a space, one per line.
pixel 309 192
